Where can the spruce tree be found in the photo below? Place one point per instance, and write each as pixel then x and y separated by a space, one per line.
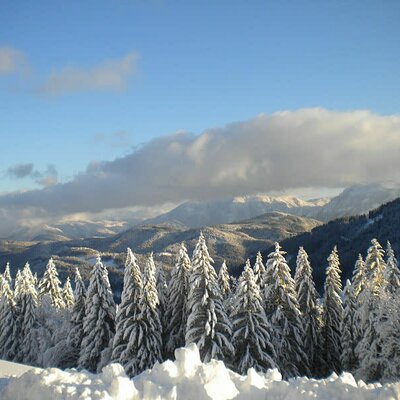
pixel 358 284
pixel 162 290
pixel 9 335
pixel 282 308
pixel 17 284
pixel 349 339
pixel 99 321
pixel 252 330
pixel 391 275
pixel 308 304
pixel 145 333
pixel 224 281
pixel 128 310
pixel 369 348
pixel 68 294
pixel 388 326
pixel 76 334
pixel 7 274
pixel 259 271
pixel 332 315
pixel 50 284
pixel 208 324
pixel 27 304
pixel 176 311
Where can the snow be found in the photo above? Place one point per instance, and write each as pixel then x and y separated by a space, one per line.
pixel 185 378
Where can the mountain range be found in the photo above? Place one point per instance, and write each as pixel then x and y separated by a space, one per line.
pixel 354 200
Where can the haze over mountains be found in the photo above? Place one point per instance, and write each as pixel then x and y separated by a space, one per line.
pixel 354 200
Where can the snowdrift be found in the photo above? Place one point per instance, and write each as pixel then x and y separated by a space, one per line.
pixel 186 378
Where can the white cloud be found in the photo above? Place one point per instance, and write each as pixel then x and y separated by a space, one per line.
pixel 12 61
pixel 280 152
pixel 112 74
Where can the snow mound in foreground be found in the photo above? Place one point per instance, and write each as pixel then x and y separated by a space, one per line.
pixel 186 378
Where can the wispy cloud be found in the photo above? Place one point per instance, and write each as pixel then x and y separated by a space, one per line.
pixel 20 171
pixel 112 74
pixel 115 139
pixel 45 178
pixel 282 151
pixel 12 61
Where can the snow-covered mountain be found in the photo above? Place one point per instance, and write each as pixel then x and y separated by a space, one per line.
pixel 195 214
pixel 356 200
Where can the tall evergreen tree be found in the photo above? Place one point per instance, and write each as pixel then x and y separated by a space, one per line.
pixel 283 308
pixel 369 348
pixel 17 284
pixel 349 339
pixel 76 334
pixel 388 325
pixel 162 290
pixel 7 274
pixel 68 294
pixel 332 314
pixel 359 277
pixel 259 271
pixel 128 310
pixel 50 285
pixel 308 304
pixel 145 333
pixel 27 302
pixel 176 312
pixel 208 324
pixel 224 281
pixel 99 321
pixel 252 330
pixel 9 335
pixel 391 275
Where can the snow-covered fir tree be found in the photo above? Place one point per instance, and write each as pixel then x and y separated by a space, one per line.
pixel 68 294
pixel 391 275
pixel 369 347
pixel 259 271
pixel 388 326
pixel 26 271
pixel 307 297
pixel 252 330
pixel 76 334
pixel 128 310
pixel 349 339
pixel 99 321
pixel 389 334
pixel 208 324
pixel 9 335
pixel 27 319
pixel 7 274
pixel 145 338
pixel 162 290
pixel 332 315
pixel 50 284
pixel 224 281
pixel 176 311
pixel 283 310
pixel 17 284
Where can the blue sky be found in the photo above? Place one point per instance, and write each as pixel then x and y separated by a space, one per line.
pixel 167 66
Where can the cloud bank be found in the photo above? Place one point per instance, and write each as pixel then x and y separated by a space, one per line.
pixel 112 74
pixel 282 151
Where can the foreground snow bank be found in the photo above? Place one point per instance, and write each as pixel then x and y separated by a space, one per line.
pixel 185 378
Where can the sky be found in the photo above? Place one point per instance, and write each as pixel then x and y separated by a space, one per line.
pixel 87 87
